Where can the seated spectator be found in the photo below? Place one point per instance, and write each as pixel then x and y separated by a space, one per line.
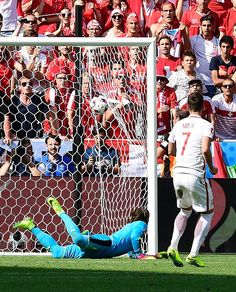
pixel 179 80
pixel 20 161
pixel 60 98
pixel 205 46
pixel 8 10
pixel 54 164
pixel 66 59
pixel 26 113
pixel 132 27
pixel 166 105
pixel 225 107
pixel 165 62
pixel 94 29
pixel 191 18
pixel 101 159
pixel 64 27
pixel 117 29
pixel 208 113
pixel 224 65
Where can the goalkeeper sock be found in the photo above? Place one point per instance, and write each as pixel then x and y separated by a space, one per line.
pixel 179 227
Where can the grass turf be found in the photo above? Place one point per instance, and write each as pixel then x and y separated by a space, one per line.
pixel 42 273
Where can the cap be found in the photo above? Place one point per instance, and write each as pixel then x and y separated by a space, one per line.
pixel 93 22
pixel 117 11
pixel 195 80
pixel 132 17
pixel 162 76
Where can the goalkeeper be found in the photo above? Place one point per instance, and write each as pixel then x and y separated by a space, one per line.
pixel 126 240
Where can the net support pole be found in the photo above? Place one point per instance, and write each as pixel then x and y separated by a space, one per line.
pixel 152 149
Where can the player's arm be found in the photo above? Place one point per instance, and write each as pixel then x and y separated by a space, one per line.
pixel 206 143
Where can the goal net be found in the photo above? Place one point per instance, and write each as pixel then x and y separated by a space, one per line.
pixel 78 123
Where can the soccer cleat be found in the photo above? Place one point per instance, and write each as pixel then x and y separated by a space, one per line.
pixel 162 255
pixel 55 205
pixel 195 261
pixel 175 257
pixel 26 223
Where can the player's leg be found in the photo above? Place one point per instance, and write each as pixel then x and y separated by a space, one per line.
pixel 184 203
pixel 72 229
pixel 45 239
pixel 202 199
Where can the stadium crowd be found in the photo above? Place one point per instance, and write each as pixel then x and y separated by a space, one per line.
pixel 195 52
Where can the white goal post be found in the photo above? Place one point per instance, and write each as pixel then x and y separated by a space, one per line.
pixel 150 44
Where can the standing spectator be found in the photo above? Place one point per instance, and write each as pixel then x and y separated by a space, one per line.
pixel 64 27
pixel 179 80
pixel 9 16
pixel 205 46
pixel 26 113
pixel 132 26
pixel 220 7
pixel 229 20
pixel 28 24
pixel 60 98
pixel 101 159
pixel 117 18
pixel 190 142
pixel 26 7
pixel 225 107
pixel 191 18
pixel 94 29
pixel 166 105
pixel 66 59
pixel 54 164
pixel 224 65
pixel 165 62
pixel 208 112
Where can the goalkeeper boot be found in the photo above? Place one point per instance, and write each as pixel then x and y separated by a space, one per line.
pixel 52 202
pixel 26 223
pixel 162 255
pixel 175 257
pixel 195 261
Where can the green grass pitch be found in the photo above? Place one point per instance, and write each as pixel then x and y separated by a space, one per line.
pixel 40 273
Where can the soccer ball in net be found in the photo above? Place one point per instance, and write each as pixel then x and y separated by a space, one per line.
pixel 98 104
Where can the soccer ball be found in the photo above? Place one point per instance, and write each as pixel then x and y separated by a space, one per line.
pixel 98 104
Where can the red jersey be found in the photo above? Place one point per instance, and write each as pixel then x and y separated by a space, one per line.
pixel 6 71
pixel 66 31
pixel 137 76
pixel 191 18
pixel 165 97
pixel 229 21
pixel 60 62
pixel 166 65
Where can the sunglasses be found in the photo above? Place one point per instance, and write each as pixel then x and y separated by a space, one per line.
pixel 30 21
pixel 117 16
pixel 228 86
pixel 28 83
pixel 162 79
pixel 62 78
pixel 120 77
pixel 66 14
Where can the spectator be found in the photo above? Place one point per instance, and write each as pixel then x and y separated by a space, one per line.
pixel 26 7
pixel 94 29
pixel 165 62
pixel 220 8
pixel 208 112
pixel 28 24
pixel 166 105
pixel 64 27
pixel 225 107
pixel 101 159
pixel 179 80
pixel 60 98
pixel 9 16
pixel 26 113
pixel 132 26
pixel 20 162
pixel 66 59
pixel 205 46
pixel 52 163
pixel 224 65
pixel 191 18
pixel 229 19
pixel 117 29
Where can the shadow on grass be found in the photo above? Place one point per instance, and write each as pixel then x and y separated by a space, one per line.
pixel 39 279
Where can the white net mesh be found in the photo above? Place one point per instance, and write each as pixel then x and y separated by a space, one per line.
pixel 99 187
